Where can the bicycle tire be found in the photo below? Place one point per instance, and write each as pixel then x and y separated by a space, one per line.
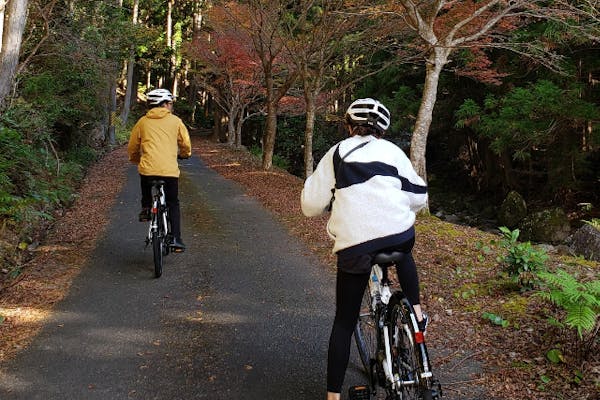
pixel 407 361
pixel 365 334
pixel 157 249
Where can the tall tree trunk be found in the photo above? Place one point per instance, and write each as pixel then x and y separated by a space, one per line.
pixel 231 122
pixel 418 144
pixel 128 90
pixel 269 135
pixel 197 19
pixel 148 75
pixel 135 79
pixel 238 128
pixel 311 110
pixel 273 98
pixel 112 137
pixel 268 139
pixel 196 35
pixel 169 34
pixel 2 8
pixel 15 16
pixel 192 99
pixel 130 66
pixel 218 133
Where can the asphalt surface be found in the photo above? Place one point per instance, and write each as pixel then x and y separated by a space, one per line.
pixel 244 313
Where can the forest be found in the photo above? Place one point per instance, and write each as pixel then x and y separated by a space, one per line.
pixel 489 98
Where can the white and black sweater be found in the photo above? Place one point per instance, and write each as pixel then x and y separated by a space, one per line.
pixel 377 193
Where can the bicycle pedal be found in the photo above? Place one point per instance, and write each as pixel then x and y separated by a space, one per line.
pixel 436 390
pixel 360 392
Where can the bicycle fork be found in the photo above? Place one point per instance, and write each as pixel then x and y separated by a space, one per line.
pixel 417 338
pixel 387 362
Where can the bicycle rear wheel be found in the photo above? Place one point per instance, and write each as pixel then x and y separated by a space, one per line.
pixel 407 359
pixel 158 250
pixel 365 334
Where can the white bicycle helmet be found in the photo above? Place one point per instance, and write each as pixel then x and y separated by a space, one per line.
pixel 157 96
pixel 369 112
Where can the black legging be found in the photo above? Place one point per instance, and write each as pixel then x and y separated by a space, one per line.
pixel 171 188
pixel 349 293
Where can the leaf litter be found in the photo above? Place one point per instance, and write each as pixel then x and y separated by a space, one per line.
pixel 473 357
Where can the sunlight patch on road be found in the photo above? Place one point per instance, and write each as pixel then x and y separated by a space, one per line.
pixel 48 248
pixel 222 318
pixel 234 164
pixel 24 314
pixel 265 173
pixel 13 383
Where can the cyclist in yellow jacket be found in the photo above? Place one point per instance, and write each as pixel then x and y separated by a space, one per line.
pixel 157 140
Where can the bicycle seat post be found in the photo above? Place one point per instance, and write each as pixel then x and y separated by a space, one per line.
pixel 384 274
pixel 381 289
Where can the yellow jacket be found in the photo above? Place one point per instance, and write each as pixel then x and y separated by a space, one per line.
pixel 155 140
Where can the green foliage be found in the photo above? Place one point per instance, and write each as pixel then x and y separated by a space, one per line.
pixel 555 356
pixel 290 141
pixel 595 222
pixel 466 291
pixel 495 319
pixel 278 161
pixel 33 181
pixel 289 148
pixel 580 300
pixel 526 117
pixel 522 260
pixel 467 111
pixel 392 87
pixel 78 157
pixel 45 131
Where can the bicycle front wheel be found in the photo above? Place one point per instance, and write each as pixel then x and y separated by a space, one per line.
pixel 365 334
pixel 158 250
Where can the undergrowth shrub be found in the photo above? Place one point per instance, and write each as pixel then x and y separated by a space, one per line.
pixel 278 161
pixel 522 260
pixel 289 147
pixel 34 180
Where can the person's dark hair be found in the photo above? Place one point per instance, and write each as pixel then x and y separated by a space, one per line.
pixel 162 103
pixel 362 130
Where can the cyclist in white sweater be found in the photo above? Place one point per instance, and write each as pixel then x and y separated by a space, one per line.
pixel 373 193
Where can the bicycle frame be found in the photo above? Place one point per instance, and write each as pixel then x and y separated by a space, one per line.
pixel 158 203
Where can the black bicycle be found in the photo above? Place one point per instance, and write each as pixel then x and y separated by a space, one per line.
pixel 390 344
pixel 159 230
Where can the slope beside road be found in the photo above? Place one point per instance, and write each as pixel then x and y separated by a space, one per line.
pixel 244 313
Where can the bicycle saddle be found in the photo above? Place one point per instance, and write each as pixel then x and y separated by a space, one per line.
pixel 388 257
pixel 157 182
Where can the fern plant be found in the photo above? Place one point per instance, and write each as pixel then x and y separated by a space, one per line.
pixel 580 300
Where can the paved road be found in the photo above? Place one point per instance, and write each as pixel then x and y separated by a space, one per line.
pixel 243 314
